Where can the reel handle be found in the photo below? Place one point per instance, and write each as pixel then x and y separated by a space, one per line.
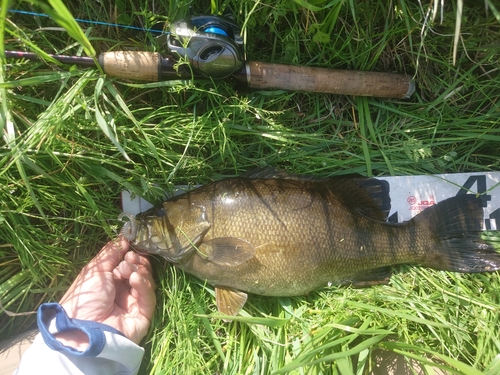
pixel 261 75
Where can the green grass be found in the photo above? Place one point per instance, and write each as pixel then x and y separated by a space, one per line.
pixel 73 139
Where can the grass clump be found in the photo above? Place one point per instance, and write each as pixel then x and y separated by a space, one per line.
pixel 73 139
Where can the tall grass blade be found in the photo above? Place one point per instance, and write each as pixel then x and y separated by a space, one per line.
pixel 60 14
pixel 104 124
pixel 458 26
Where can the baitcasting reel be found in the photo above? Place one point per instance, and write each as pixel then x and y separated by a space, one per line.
pixel 212 44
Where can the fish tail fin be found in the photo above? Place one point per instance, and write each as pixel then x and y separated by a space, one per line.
pixel 456 225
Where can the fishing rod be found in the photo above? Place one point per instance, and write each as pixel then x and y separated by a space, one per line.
pixel 213 46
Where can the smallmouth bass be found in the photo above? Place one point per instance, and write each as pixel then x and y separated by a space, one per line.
pixel 274 234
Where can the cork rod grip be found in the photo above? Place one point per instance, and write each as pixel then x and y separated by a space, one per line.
pixel 345 82
pixel 132 65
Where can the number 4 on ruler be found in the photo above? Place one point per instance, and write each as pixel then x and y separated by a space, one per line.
pixel 480 180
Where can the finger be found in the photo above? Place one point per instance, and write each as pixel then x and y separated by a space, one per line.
pixel 125 269
pixel 137 258
pixel 110 255
pixel 143 291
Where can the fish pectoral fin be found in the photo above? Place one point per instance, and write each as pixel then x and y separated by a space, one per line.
pixel 227 251
pixel 229 301
pixel 377 276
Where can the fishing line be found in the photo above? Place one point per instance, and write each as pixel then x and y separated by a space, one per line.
pixel 100 23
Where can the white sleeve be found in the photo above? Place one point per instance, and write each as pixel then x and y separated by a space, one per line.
pixel 109 351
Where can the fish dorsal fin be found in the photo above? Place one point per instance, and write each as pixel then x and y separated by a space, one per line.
pixel 227 251
pixel 229 301
pixel 271 172
pixel 368 196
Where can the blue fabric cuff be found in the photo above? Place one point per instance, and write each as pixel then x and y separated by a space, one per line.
pixel 48 312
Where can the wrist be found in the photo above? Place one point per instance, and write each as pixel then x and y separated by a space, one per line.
pixel 84 338
pixel 75 339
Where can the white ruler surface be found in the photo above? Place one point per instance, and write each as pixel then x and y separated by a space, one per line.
pixel 409 194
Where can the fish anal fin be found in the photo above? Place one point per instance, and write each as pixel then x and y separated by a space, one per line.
pixel 229 301
pixel 377 276
pixel 227 251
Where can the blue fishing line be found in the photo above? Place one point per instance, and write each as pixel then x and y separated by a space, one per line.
pixel 87 21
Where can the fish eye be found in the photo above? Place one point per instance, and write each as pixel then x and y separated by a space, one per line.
pixel 161 212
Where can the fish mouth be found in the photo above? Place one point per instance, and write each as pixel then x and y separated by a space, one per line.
pixel 129 229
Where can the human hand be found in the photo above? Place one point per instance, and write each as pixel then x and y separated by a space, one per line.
pixel 116 292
